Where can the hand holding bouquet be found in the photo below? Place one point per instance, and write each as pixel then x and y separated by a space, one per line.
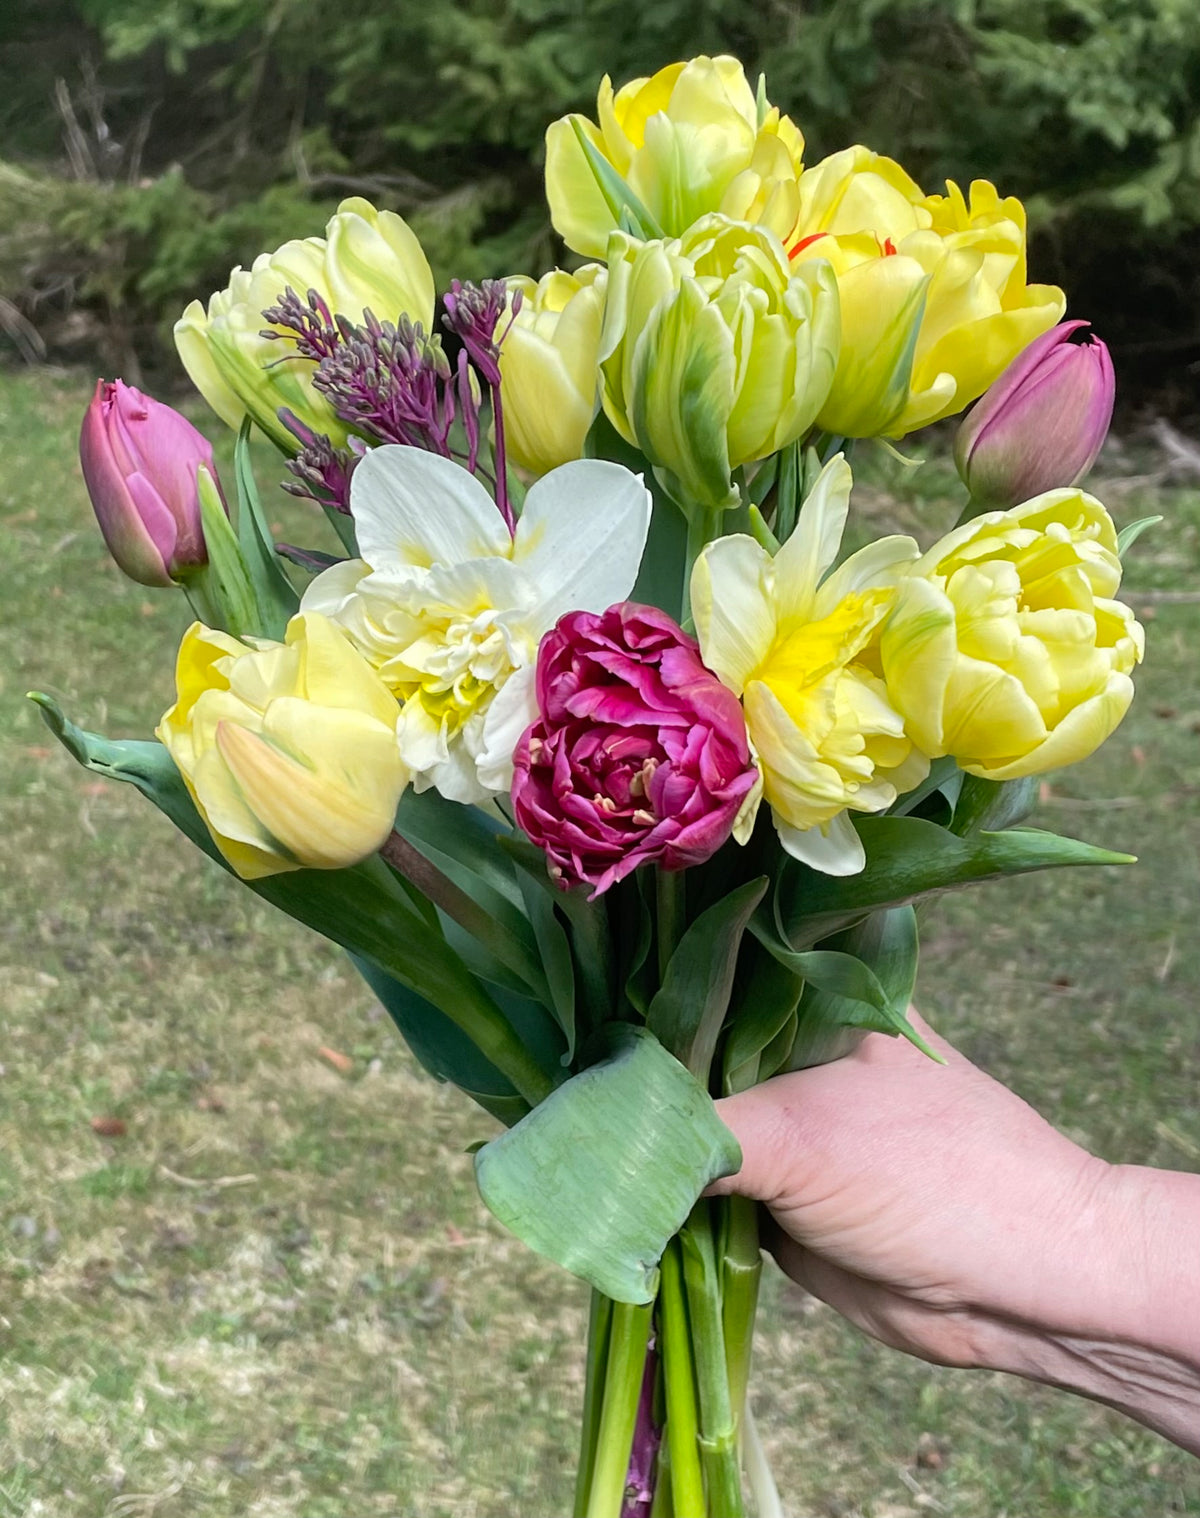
pixel 616 779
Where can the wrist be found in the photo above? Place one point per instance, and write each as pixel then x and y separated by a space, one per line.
pixel 1111 1310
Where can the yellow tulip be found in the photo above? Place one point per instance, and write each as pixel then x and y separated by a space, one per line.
pixel 690 140
pixel 288 749
pixel 1005 648
pixel 714 353
pixel 548 376
pixel 367 260
pixel 802 655
pixel 934 297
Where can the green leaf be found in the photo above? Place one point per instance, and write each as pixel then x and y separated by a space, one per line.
pixel 554 947
pixel 908 858
pixel 619 198
pixel 225 581
pixel 688 1012
pixel 1129 535
pixel 886 945
pixel 604 1172
pixel 343 524
pixel 277 599
pixel 989 806
pixel 364 909
pixel 765 1006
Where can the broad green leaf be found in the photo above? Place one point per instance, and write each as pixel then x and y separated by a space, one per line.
pixel 364 909
pixel 688 1012
pixel 765 1005
pixel 941 773
pixel 604 1172
pixel 886 944
pixel 1129 535
pixel 555 950
pixel 225 580
pixel 277 600
pixel 908 858
pixel 989 806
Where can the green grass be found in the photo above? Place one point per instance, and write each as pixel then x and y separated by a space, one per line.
pixel 277 1293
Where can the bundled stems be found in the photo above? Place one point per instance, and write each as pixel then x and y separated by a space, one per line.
pixel 628 1340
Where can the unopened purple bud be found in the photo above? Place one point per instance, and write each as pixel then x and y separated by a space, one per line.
pixel 473 313
pixel 1042 423
pixel 322 471
pixel 139 461
pixel 310 324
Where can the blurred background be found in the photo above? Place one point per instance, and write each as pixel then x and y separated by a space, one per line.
pixel 148 145
pixel 244 1271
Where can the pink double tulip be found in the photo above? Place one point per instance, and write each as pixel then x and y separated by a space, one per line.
pixel 639 754
pixel 139 462
pixel 1042 423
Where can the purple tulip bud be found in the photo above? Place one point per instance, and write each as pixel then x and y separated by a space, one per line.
pixel 1042 423
pixel 139 462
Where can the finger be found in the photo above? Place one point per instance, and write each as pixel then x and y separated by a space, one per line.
pixel 764 1121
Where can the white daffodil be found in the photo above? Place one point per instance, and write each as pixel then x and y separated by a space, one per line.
pixel 450 609
pixel 802 654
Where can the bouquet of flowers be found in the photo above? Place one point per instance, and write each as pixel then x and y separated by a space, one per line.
pixel 618 782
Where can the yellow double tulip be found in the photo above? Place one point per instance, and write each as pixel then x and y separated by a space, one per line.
pixel 368 259
pixel 690 140
pixel 714 352
pixel 935 302
pixel 288 749
pixel 1005 648
pixel 548 378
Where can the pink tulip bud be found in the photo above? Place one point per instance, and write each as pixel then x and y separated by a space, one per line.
pixel 139 462
pixel 1042 423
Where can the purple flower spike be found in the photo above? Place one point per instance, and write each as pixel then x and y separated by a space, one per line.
pixel 1042 423
pixel 322 471
pixel 473 314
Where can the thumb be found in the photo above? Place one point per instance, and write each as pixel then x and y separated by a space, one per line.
pixel 764 1120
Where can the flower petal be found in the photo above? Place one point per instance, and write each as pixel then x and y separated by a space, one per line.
pixel 512 710
pixel 814 545
pixel 733 608
pixel 834 849
pixel 580 538
pixel 416 508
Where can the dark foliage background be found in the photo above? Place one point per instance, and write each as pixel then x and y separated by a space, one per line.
pixel 147 145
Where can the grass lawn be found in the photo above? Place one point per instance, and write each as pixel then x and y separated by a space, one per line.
pixel 240 1278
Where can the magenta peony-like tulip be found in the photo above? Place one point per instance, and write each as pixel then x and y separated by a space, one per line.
pixel 639 754
pixel 1042 423
pixel 139 462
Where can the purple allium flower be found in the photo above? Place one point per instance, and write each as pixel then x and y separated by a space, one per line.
pixel 322 471
pixel 639 754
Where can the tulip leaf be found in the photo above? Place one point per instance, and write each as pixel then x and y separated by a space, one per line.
pixel 886 945
pixel 365 909
pixel 1129 534
pixel 225 580
pixel 765 1007
pixel 311 560
pixel 554 947
pixel 688 1011
pixel 277 599
pixel 907 858
pixel 627 210
pixel 604 1172
pixel 988 806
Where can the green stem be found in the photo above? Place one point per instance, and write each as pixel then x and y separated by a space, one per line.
pixel 741 1271
pixel 679 1377
pixel 599 1328
pixel 670 914
pixel 703 525
pixel 629 1336
pixel 718 1429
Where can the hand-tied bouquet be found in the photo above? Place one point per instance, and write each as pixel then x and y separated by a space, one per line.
pixel 618 788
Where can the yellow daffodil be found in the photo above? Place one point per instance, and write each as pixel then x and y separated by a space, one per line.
pixel 288 749
pixel 802 654
pixel 714 353
pixel 690 140
pixel 367 260
pixel 548 375
pixel 934 297
pixel 1005 647
pixel 450 608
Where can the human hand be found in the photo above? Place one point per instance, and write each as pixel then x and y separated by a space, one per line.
pixel 940 1213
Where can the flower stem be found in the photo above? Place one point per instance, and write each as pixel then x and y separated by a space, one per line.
pixel 718 1429
pixel 599 1326
pixel 741 1271
pixel 683 1456
pixel 629 1336
pixel 501 461
pixel 670 914
pixel 703 525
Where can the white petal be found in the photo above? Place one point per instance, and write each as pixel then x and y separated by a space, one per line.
pixel 413 507
pixel 814 545
pixel 512 710
pixel 580 538
pixel 733 608
pixel 834 849
pixel 334 588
